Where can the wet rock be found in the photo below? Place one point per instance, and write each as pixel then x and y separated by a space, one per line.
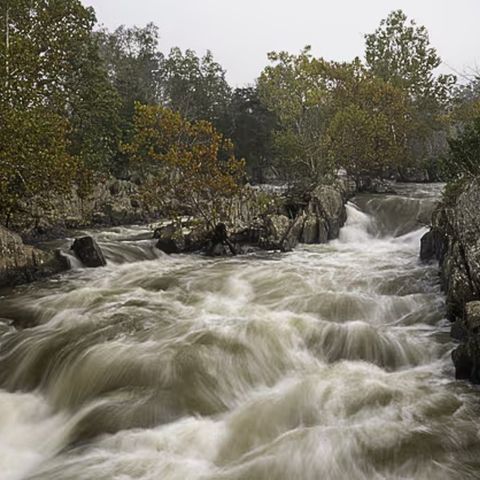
pixel 88 252
pixel 472 317
pixel 375 185
pixel 185 238
pixel 310 232
pixel 427 248
pixel 454 240
pixel 20 263
pixel 463 363
pixel 220 245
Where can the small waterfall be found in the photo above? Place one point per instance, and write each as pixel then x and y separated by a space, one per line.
pixel 328 362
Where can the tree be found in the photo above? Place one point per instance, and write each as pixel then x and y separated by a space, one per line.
pixel 252 126
pixel 369 130
pixel 134 65
pixel 51 61
pixel 400 53
pixel 463 159
pixel 187 165
pixel 295 90
pixel 34 159
pixel 195 87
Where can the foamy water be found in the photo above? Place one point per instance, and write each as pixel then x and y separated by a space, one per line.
pixel 330 362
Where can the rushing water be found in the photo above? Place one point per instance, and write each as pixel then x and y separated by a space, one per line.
pixel 331 362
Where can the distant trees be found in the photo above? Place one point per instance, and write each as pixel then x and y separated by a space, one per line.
pixel 195 87
pixel 251 126
pixel 333 115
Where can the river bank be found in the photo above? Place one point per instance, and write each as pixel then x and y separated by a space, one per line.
pixel 454 240
pixel 268 219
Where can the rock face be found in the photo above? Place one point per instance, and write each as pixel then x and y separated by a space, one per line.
pixel 88 252
pixel 21 263
pixel 113 202
pixel 280 227
pixel 454 240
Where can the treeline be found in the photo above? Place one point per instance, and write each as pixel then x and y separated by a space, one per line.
pixel 79 103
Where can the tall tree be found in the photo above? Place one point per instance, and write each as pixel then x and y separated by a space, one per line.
pixel 196 87
pixel 295 90
pixel 252 126
pixel 187 165
pixel 400 53
pixel 51 61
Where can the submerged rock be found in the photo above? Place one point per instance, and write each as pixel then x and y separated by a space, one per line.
pixel 20 263
pixel 88 252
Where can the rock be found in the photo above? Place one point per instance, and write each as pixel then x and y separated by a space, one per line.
pixel 463 363
pixel 375 185
pixel 472 317
pixel 20 263
pixel 327 205
pixel 310 232
pixel 88 252
pixel 174 238
pixel 427 248
pixel 170 239
pixel 454 240
pixel 414 175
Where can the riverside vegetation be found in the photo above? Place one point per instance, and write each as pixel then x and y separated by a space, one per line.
pixel 330 361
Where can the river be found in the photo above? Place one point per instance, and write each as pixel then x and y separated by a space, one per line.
pixel 329 362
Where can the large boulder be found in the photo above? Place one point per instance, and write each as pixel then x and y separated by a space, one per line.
pixel 88 252
pixel 20 263
pixel 184 238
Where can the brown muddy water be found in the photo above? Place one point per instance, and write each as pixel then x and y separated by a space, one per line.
pixel 330 362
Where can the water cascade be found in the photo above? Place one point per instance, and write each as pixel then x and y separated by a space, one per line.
pixel 330 362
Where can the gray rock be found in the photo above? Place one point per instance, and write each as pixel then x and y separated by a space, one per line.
pixel 454 240
pixel 88 252
pixel 174 238
pixel 20 263
pixel 472 316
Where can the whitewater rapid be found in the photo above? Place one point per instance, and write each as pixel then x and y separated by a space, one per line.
pixel 330 362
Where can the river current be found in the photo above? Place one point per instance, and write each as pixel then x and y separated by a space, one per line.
pixel 331 362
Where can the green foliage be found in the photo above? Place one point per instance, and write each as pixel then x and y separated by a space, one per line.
pixel 187 165
pixel 251 130
pixel 51 61
pixel 34 159
pixel 463 159
pixel 294 89
pixel 333 115
pixel 195 87
pixel 134 64
pixel 400 53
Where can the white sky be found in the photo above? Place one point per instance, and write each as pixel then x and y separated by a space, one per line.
pixel 241 32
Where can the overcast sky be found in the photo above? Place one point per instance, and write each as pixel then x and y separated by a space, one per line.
pixel 241 32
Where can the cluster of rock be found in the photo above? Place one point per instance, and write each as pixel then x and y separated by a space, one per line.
pixel 454 240
pixel 315 219
pixel 112 202
pixel 20 263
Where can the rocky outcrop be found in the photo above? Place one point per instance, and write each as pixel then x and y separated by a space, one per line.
pixel 21 263
pixel 267 223
pixel 454 240
pixel 88 252
pixel 112 202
